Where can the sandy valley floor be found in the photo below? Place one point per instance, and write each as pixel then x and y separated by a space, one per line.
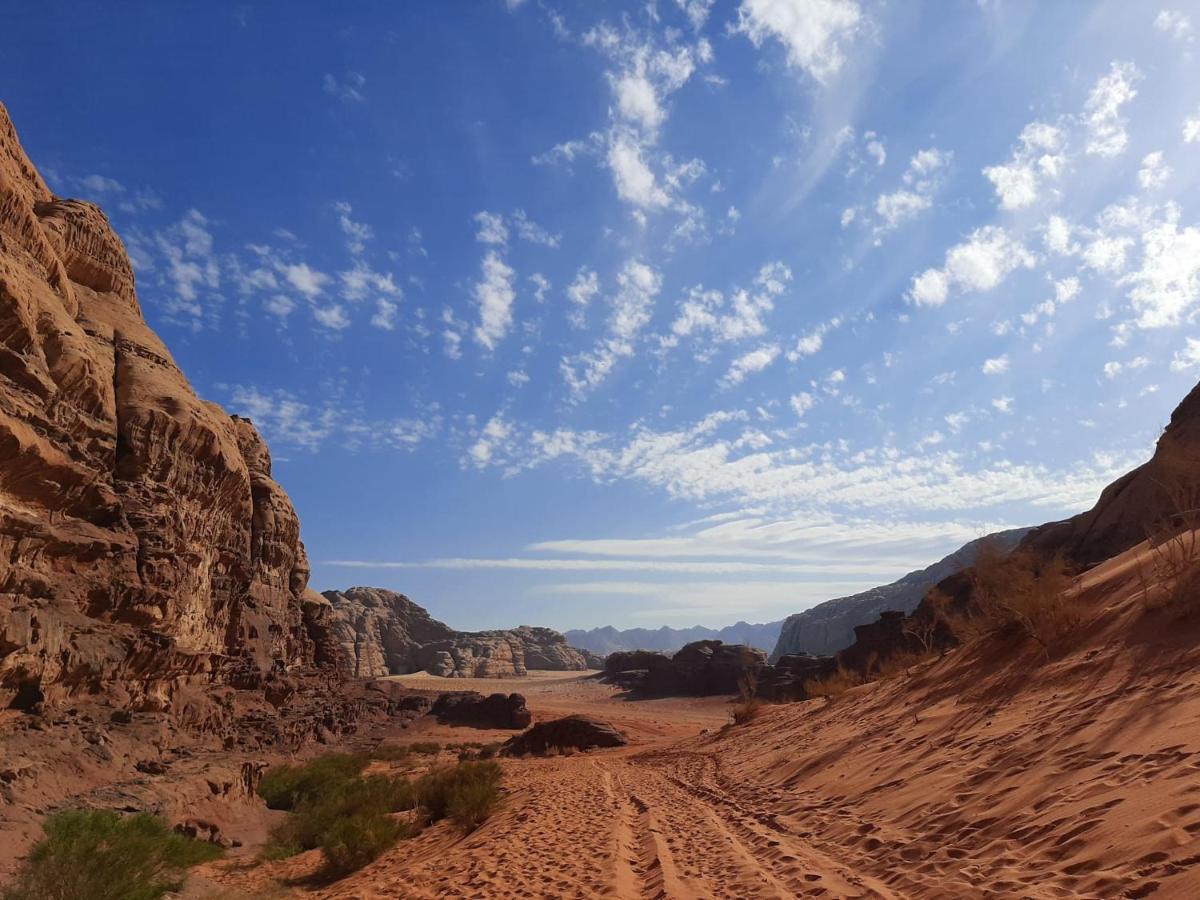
pixel 981 774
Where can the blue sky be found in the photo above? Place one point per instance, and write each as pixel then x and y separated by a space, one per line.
pixel 649 313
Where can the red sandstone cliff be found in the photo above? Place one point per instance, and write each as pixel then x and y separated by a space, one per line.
pixel 142 539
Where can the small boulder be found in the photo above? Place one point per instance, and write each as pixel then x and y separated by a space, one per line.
pixel 567 733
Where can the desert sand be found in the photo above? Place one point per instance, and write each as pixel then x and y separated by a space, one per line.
pixel 988 772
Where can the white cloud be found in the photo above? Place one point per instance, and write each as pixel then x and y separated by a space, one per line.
pixel 977 264
pixel 1191 130
pixel 697 11
pixel 494 293
pixel 1058 236
pixel 582 290
pixel 634 180
pixel 734 318
pixel 1168 281
pixel 996 366
pixel 1003 404
pixel 747 364
pixel 1188 357
pixel 491 228
pixel 802 403
pixel 541 284
pixel 494 434
pixel 921 182
pixel 1154 172
pixel 1175 24
pixel 306 280
pixel 347 89
pixel 811 343
pixel 528 230
pixel 637 286
pixel 1102 112
pixel 332 317
pixel 1114 368
pixel 815 33
pixel 357 233
pixel 385 314
pixel 1039 156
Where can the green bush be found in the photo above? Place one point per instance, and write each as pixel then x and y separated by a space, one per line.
pixel 350 843
pixel 98 855
pixel 325 807
pixel 468 792
pixel 284 787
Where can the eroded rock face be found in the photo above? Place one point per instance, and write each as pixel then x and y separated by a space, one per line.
pixel 1165 485
pixel 143 542
pixel 380 632
pixel 567 733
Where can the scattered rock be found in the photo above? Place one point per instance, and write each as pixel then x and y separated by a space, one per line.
pixel 567 733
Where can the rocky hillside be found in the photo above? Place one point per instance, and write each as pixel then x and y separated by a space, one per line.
pixel 379 632
pixel 606 640
pixel 829 627
pixel 143 539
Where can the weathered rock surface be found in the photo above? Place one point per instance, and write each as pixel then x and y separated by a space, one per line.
pixel 379 632
pixel 474 709
pixel 143 541
pixel 567 733
pixel 155 622
pixel 786 680
pixel 632 660
pixel 1164 486
pixel 704 667
pixel 829 627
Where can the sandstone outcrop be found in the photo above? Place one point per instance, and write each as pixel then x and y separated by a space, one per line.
pixel 379 632
pixel 567 733
pixel 474 709
pixel 143 541
pixel 155 622
pixel 1165 486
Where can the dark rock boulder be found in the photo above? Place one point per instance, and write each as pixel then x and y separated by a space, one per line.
pixel 567 733
pixel 704 667
pixel 785 681
pixel 474 709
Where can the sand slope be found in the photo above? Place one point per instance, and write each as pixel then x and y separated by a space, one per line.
pixel 992 772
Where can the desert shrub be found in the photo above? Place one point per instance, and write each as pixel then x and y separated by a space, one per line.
pixel 834 685
pixel 1170 570
pixel 335 808
pixel 488 751
pixel 284 787
pixel 317 812
pixel 354 841
pixel 748 706
pixel 425 747
pixel 100 855
pixel 1023 593
pixel 467 792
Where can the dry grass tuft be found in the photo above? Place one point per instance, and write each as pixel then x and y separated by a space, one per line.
pixel 1170 572
pixel 749 706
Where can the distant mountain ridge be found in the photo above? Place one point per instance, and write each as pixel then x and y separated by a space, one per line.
pixel 829 627
pixel 607 639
